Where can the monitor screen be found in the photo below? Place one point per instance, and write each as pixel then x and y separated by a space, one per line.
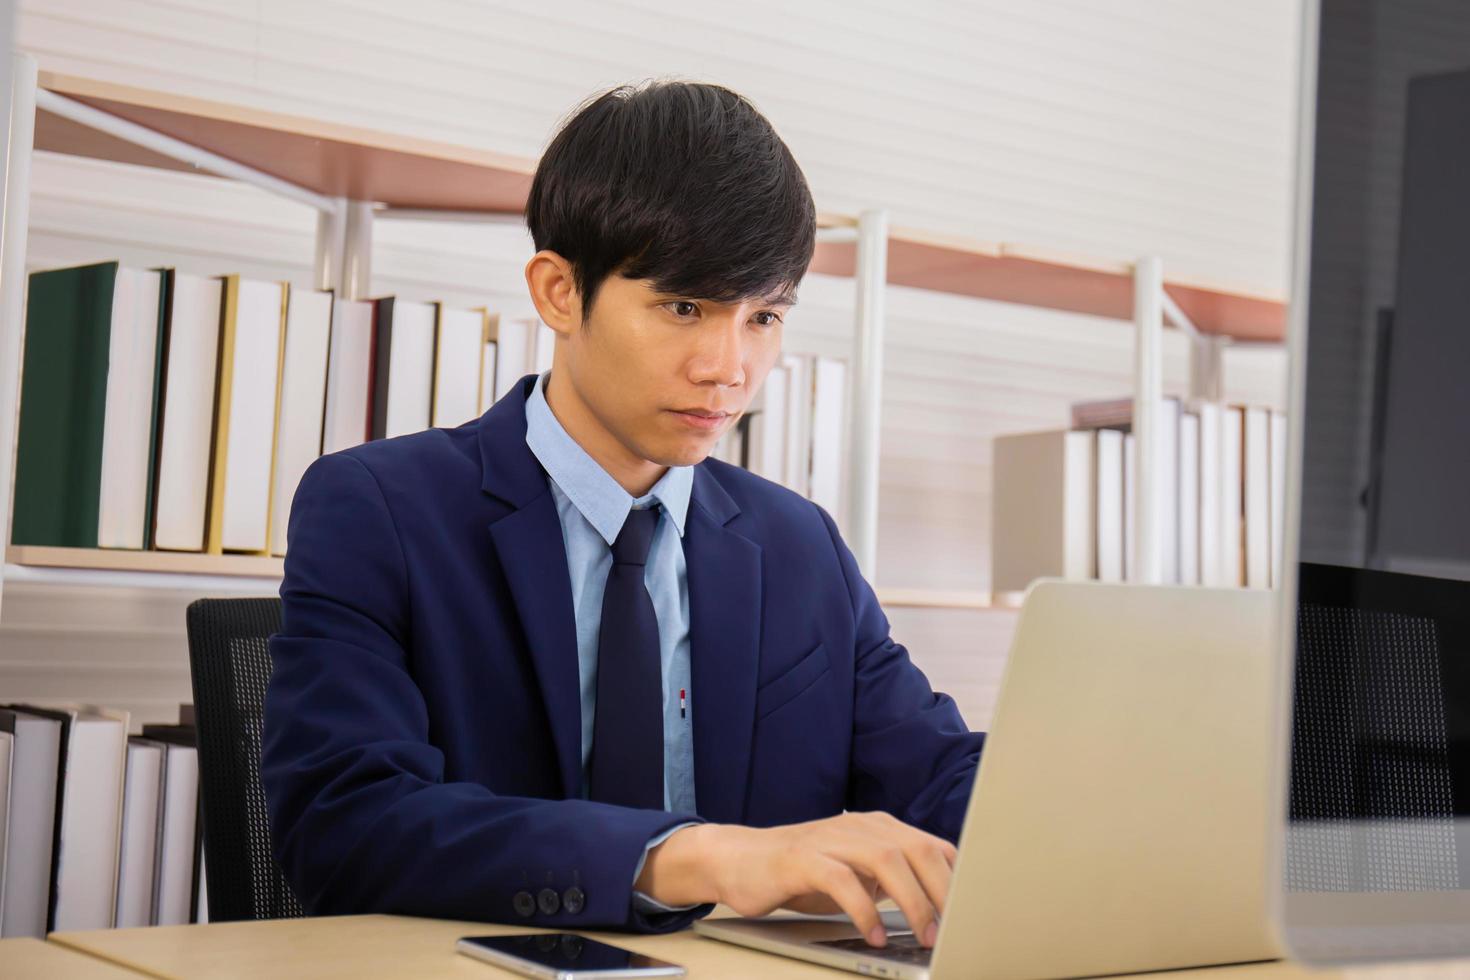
pixel 1377 856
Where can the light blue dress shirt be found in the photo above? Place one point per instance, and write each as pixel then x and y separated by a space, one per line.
pixel 592 507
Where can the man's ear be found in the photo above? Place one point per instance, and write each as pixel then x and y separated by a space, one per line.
pixel 554 291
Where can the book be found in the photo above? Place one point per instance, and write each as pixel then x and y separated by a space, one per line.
pixel 1232 526
pixel 488 393
pixel 245 406
pixel 799 371
pixel 403 366
pixel 138 854
pixel 1257 498
pixel 545 348
pixel 1211 493
pixel 513 339
pixel 176 871
pixel 1042 509
pixel 91 819
pixel 457 367
pixel 346 416
pixel 303 398
pixel 1118 413
pixel 829 435
pixel 1189 498
pixel 1278 493
pixel 1130 510
pixel 7 754
pixel 1108 495
pixel 193 306
pixel 35 787
pixel 89 397
pixel 766 439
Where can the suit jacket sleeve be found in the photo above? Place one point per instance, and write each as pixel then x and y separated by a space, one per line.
pixel 912 754
pixel 362 818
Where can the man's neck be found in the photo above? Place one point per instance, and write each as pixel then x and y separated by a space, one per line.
pixel 633 473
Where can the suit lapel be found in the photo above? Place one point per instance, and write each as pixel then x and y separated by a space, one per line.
pixel 724 570
pixel 528 542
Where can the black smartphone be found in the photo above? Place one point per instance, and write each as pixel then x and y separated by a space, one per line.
pixel 564 956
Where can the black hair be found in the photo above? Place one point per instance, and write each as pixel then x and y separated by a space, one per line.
pixel 680 183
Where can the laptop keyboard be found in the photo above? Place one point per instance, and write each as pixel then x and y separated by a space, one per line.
pixel 902 948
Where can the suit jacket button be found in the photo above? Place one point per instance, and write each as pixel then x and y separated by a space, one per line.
pixel 525 904
pixel 573 900
pixel 549 901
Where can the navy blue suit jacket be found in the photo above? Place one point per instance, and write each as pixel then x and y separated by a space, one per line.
pixel 421 736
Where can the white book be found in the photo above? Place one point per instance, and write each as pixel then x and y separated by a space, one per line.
pixel 488 394
pixel 201 902
pixel 513 352
pixel 829 435
pixel 349 376
pixel 1130 505
pixel 1257 502
pixel 91 818
pixel 127 427
pixel 35 770
pixel 254 391
pixel 767 447
pixel 1166 490
pixel 174 874
pixel 137 858
pixel 186 422
pixel 1189 505
pixel 303 396
pixel 457 366
pixel 1108 494
pixel 1210 493
pixel 403 379
pixel 1278 493
pixel 799 371
pixel 1232 539
pixel 545 347
pixel 1042 509
pixel 7 753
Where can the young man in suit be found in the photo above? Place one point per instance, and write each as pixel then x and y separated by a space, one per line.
pixel 555 666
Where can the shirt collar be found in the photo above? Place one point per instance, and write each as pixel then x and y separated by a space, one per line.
pixel 590 488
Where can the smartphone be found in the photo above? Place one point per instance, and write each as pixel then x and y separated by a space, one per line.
pixel 564 956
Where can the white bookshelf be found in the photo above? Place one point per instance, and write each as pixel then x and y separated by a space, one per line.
pixel 354 176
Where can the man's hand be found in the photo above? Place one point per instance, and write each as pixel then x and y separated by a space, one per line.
pixel 842 863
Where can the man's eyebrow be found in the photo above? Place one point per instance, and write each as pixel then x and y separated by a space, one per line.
pixel 781 297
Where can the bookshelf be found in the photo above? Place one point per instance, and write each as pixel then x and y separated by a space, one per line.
pixel 353 175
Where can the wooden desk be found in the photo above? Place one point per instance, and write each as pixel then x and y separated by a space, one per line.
pixel 368 946
pixel 24 957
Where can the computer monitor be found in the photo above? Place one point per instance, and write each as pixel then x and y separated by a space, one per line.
pixel 1376 859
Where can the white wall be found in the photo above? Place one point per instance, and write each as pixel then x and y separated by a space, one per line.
pixel 1112 128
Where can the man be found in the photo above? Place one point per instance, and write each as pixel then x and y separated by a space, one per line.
pixel 556 667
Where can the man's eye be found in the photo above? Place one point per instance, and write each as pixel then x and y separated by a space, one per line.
pixel 766 318
pixel 682 308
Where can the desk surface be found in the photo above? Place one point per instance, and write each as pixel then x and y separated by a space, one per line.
pixel 367 946
pixel 24 957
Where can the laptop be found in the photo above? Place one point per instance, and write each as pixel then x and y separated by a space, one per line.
pixel 1125 815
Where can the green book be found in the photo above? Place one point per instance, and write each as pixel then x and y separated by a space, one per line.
pixel 69 492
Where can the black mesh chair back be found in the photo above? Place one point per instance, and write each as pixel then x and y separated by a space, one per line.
pixel 230 664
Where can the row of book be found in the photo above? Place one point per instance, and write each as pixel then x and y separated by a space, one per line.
pixel 167 411
pixel 794 432
pixel 1064 500
pixel 97 828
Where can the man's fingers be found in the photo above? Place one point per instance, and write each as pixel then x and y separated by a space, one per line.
pixel 933 869
pixel 841 883
pixel 888 863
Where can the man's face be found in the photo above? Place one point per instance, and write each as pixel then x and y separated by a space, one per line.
pixel 668 375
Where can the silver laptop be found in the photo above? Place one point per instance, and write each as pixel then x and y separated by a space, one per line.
pixel 1125 816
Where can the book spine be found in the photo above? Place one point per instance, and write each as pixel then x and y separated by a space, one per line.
pixel 220 441
pixel 381 358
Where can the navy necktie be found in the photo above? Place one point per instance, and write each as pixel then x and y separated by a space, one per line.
pixel 627 762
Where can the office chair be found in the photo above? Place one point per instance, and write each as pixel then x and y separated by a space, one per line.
pixel 230 665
